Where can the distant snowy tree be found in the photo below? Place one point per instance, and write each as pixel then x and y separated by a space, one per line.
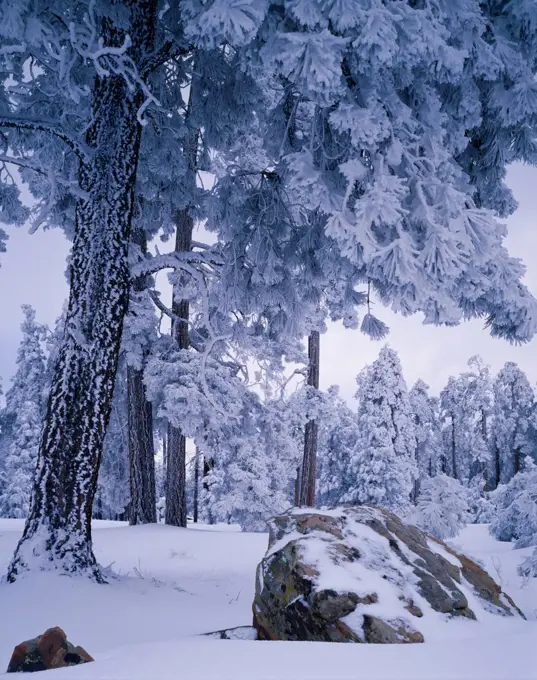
pixel 457 424
pixel 515 508
pixel 382 469
pixel 528 568
pixel 425 413
pixel 442 508
pixel 252 453
pixel 338 437
pixel 514 402
pixel 479 400
pixel 466 404
pixel 249 481
pixel 24 412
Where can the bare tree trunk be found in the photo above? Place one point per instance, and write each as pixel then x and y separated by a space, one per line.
pixel 297 486
pixel 309 462
pixel 143 505
pixel 176 511
pixel 497 466
pixel 517 460
pixel 58 528
pixel 453 448
pixel 208 465
pixel 196 484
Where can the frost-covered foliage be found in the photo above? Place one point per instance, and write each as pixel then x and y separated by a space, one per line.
pixel 338 436
pixel 513 406
pixel 479 502
pixel 23 418
pixel 442 509
pixel 393 163
pixel 382 468
pixel 515 505
pixel 248 439
pixel 465 404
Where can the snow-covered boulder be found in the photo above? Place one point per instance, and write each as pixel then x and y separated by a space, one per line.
pixel 360 574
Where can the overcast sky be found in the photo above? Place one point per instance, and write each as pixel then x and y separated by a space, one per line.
pixel 32 272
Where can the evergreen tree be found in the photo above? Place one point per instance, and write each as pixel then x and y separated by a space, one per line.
pixel 425 412
pixel 510 434
pixel 456 425
pixel 91 76
pixel 515 508
pixel 479 399
pixel 442 509
pixel 466 404
pixel 338 436
pixel 23 418
pixel 383 469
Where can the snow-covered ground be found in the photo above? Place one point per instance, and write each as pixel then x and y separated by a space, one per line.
pixel 175 584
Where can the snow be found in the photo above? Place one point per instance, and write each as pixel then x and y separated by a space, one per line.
pixel 175 584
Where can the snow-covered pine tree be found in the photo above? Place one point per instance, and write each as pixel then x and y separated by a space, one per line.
pixel 382 469
pixel 442 508
pixel 514 402
pixel 92 58
pixel 480 397
pixel 23 418
pixel 245 441
pixel 338 435
pixel 515 508
pixel 425 413
pixel 139 335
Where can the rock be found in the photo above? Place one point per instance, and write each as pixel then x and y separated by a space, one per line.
pixel 49 650
pixel 360 574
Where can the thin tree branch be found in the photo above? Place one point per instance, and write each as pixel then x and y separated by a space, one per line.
pixel 16 122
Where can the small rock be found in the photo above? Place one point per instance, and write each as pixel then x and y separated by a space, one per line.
pixel 50 650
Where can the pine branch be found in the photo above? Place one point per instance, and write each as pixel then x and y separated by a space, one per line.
pixel 188 261
pixel 38 125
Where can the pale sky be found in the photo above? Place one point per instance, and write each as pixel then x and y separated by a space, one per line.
pixel 32 272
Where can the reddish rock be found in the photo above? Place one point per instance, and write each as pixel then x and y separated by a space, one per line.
pixel 50 650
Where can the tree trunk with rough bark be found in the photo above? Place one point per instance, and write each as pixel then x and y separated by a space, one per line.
pixel 143 504
pixel 57 533
pixel 497 467
pixel 309 462
pixel 208 465
pixel 453 448
pixel 196 485
pixel 176 511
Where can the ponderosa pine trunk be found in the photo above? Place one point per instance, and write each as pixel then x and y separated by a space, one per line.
pixel 57 533
pixel 176 510
pixel 309 461
pixel 196 486
pixel 142 506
